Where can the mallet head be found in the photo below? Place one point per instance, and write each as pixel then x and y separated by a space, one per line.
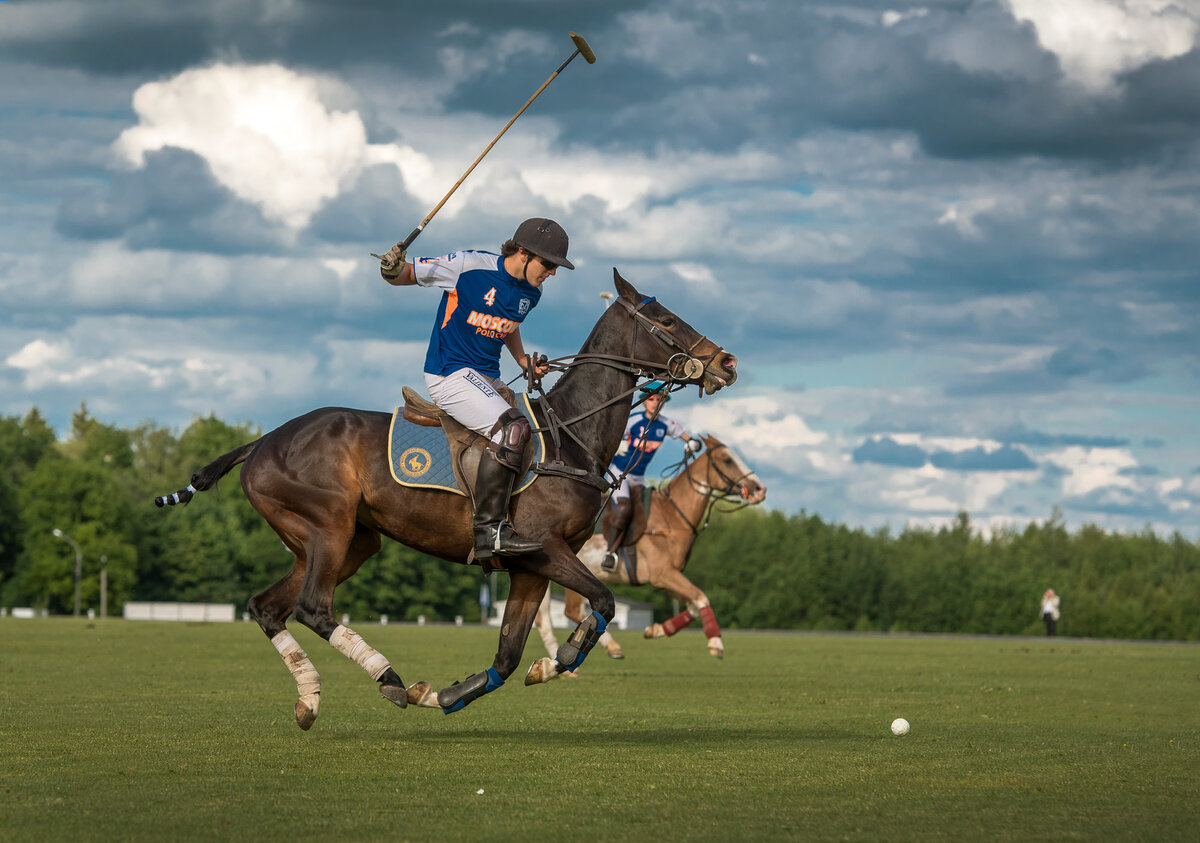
pixel 584 49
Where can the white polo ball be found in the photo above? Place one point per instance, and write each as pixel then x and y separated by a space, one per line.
pixel 899 726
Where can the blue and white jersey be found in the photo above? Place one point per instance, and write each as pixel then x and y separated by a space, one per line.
pixel 482 305
pixel 642 438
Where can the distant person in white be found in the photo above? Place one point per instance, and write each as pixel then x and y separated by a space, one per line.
pixel 1050 611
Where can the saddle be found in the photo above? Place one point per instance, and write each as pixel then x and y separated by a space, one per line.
pixel 424 412
pixel 417 459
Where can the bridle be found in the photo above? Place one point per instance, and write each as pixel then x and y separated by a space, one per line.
pixel 680 368
pixel 735 491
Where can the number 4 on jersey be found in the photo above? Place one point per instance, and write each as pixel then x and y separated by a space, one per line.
pixel 490 297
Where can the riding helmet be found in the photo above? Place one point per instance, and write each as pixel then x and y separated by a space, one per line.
pixel 544 238
pixel 657 388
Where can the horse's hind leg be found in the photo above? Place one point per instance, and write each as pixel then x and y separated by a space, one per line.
pixel 270 608
pixel 314 609
pixel 545 627
pixel 681 588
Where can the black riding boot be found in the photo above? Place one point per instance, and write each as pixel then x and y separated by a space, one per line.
pixel 494 536
pixel 618 522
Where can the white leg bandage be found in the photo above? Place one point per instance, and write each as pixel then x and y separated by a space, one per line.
pixel 308 681
pixel 350 644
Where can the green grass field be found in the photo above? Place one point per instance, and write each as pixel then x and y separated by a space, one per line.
pixel 118 730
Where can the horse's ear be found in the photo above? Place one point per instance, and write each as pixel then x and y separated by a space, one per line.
pixel 710 441
pixel 625 289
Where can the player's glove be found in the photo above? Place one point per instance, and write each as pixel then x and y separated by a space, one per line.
pixel 693 446
pixel 391 264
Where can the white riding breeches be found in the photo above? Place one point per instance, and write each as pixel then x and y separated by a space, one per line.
pixel 628 484
pixel 470 398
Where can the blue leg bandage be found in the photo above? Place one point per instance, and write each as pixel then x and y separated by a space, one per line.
pixel 572 653
pixel 458 695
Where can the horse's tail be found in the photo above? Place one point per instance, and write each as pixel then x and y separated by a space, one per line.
pixel 206 477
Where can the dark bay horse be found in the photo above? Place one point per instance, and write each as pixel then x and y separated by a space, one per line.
pixel 323 483
pixel 679 511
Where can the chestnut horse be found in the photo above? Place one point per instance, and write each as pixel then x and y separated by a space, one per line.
pixel 679 511
pixel 323 483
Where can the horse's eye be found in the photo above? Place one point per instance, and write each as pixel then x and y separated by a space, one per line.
pixel 668 321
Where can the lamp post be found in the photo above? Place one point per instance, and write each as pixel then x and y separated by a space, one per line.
pixel 103 586
pixel 608 297
pixel 78 563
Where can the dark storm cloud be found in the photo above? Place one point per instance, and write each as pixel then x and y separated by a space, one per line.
pixel 1040 439
pixel 130 36
pixel 173 202
pixel 1006 458
pixel 966 77
pixel 1119 501
pixel 887 451
pixel 1076 363
pixel 370 210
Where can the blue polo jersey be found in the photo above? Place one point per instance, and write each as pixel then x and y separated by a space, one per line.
pixel 482 304
pixel 643 437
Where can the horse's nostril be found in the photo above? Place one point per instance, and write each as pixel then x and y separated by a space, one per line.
pixel 730 362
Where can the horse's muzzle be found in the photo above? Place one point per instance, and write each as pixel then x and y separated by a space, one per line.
pixel 721 372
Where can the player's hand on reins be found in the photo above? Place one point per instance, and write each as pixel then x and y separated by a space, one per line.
pixel 536 365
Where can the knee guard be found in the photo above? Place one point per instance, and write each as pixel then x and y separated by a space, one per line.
pixel 514 437
pixel 458 695
pixel 581 641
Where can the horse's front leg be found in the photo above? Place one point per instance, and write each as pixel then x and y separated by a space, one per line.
pixel 524 597
pixel 573 610
pixel 565 568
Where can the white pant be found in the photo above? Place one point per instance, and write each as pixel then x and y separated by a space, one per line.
pixel 628 484
pixel 470 398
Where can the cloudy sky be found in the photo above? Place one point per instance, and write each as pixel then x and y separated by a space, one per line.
pixel 953 242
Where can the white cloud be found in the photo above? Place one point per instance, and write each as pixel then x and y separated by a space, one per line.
pixel 1093 468
pixel 696 274
pixel 1095 40
pixel 264 132
pixel 341 267
pixel 891 17
pixel 757 423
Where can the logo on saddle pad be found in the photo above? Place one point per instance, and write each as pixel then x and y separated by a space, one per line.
pixel 420 456
pixel 414 462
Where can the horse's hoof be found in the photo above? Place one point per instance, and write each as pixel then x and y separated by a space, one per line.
pixel 542 670
pixel 395 693
pixel 614 651
pixel 422 694
pixel 716 648
pixel 655 630
pixel 306 711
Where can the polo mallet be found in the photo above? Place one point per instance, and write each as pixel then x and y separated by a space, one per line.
pixel 581 47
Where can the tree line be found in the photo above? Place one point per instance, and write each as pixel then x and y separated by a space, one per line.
pixel 760 568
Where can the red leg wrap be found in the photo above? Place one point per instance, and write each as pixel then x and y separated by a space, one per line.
pixel 711 630
pixel 678 622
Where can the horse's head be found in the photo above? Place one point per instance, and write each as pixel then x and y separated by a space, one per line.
pixel 729 475
pixel 662 338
